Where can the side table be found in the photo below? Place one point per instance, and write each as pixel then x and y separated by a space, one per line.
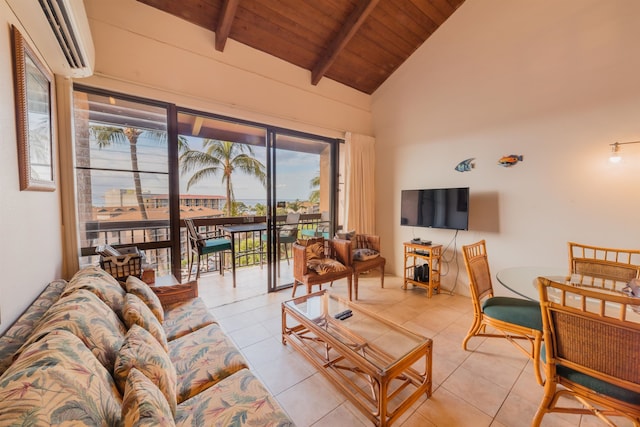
pixel 169 290
pixel 430 254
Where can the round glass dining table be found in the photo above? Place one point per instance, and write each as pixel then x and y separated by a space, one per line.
pixel 522 280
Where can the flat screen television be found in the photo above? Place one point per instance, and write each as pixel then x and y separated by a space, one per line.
pixel 436 208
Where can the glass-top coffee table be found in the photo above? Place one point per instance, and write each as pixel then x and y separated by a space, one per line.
pixel 381 367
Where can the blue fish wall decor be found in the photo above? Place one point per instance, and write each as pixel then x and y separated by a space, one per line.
pixel 465 165
pixel 510 160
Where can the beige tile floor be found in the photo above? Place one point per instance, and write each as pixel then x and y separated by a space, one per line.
pixel 490 385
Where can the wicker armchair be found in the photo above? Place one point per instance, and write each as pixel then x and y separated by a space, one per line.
pixel 516 319
pixel 305 256
pixel 592 343
pixel 364 242
pixel 603 267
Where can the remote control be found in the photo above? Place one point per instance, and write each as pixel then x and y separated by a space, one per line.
pixel 342 313
pixel 346 316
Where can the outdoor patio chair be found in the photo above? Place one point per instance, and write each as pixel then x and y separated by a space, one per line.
pixel 204 244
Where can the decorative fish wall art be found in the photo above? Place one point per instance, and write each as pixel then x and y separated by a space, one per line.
pixel 510 160
pixel 465 165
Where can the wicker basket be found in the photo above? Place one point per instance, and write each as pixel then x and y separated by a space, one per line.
pixel 129 263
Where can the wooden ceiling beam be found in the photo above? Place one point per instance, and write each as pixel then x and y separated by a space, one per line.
pixel 223 30
pixel 348 30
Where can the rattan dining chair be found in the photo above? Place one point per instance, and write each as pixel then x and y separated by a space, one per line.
pixel 591 348
pixel 514 319
pixel 603 267
pixel 204 244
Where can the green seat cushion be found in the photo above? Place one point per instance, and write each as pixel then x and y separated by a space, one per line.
pixel 595 384
pixel 216 245
pixel 308 232
pixel 514 310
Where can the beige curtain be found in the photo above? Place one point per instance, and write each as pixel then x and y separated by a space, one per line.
pixel 360 192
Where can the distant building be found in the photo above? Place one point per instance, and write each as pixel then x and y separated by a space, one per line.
pixel 122 205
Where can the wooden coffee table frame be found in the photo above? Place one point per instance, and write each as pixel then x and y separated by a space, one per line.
pixel 370 388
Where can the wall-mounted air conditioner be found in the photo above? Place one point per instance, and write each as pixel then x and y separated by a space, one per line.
pixel 60 31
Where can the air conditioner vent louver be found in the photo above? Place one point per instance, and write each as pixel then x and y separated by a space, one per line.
pixel 60 24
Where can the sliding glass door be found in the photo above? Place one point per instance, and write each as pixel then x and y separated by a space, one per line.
pixel 143 167
pixel 302 176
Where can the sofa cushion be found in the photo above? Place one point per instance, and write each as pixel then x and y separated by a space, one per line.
pixel 136 312
pixel 57 381
pixel 101 283
pixel 143 403
pixel 17 334
pixel 185 317
pixel 145 293
pixel 241 396
pixel 86 316
pixel 142 351
pixel 203 358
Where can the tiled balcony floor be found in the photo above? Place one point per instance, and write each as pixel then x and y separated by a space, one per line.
pixel 490 385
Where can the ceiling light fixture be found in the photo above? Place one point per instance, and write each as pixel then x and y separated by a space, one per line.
pixel 615 156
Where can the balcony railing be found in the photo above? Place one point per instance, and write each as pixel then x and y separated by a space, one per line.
pixel 153 237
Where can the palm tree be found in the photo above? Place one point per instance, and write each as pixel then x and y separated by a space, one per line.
pixel 107 135
pixel 314 196
pixel 221 157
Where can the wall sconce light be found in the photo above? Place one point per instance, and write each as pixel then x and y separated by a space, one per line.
pixel 615 156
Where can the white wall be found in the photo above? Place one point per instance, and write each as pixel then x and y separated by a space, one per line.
pixel 29 220
pixel 147 52
pixel 553 81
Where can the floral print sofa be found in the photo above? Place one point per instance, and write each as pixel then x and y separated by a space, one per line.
pixel 97 352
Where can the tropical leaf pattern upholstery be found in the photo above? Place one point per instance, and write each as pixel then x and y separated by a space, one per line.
pixel 144 404
pixel 58 381
pixel 136 312
pixel 185 317
pixel 142 351
pixel 77 363
pixel 102 284
pixel 203 358
pixel 88 318
pixel 239 400
pixel 143 291
pixel 18 333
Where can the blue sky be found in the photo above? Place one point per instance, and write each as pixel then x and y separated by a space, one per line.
pixel 295 170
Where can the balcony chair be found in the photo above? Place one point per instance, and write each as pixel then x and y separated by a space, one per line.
pixel 207 243
pixel 322 229
pixel 603 267
pixel 365 256
pixel 318 260
pixel 514 318
pixel 287 235
pixel 591 347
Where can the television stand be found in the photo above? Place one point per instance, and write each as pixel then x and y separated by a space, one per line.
pixel 430 255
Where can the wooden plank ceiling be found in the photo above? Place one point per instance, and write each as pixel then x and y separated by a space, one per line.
pixel 358 43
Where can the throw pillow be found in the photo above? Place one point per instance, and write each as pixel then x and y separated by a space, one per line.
pixel 145 293
pixel 136 312
pixel 141 351
pixel 315 251
pixel 364 254
pixel 143 403
pixel 326 265
pixel 346 236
